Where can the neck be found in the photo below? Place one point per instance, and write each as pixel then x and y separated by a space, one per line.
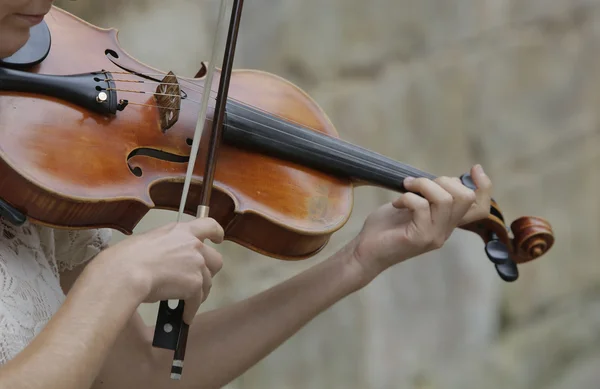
pixel 254 129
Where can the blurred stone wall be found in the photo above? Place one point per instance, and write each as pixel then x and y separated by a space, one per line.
pixel 441 85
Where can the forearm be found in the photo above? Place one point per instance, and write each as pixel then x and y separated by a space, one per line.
pixel 226 342
pixel 70 351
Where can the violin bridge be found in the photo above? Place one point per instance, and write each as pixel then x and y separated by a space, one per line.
pixel 168 98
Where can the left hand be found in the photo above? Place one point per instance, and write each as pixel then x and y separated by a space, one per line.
pixel 413 225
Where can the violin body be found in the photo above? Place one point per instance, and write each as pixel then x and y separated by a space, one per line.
pixel 284 179
pixel 65 166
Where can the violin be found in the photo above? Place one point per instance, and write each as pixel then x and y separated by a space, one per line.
pixel 90 137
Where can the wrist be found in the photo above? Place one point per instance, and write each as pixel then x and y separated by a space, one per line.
pixel 115 273
pixel 355 274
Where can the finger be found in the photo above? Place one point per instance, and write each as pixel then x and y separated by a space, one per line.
pixel 419 207
pixel 483 183
pixel 441 201
pixel 192 305
pixel 212 258
pixel 206 284
pixel 206 228
pixel 483 194
pixel 463 198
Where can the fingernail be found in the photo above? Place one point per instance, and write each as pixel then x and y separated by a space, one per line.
pixel 479 169
pixel 408 179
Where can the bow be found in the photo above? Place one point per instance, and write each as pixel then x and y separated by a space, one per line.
pixel 171 331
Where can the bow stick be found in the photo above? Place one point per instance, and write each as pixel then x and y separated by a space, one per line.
pixel 171 331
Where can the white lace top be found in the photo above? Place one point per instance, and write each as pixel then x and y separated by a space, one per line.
pixel 31 258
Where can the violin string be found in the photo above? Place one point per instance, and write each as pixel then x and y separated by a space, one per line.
pixel 402 168
pixel 182 80
pixel 265 114
pixel 407 169
pixel 229 99
pixel 242 105
pixel 150 93
pixel 153 106
pixel 200 88
pixel 195 88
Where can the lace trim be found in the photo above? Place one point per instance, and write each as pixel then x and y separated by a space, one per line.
pixel 31 259
pixel 75 247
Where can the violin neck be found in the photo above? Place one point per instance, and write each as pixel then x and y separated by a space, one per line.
pixel 253 129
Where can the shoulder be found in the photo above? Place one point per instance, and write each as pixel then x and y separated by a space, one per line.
pixel 31 260
pixel 63 248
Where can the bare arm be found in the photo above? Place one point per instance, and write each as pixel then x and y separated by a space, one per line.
pixel 70 351
pixel 129 361
pixel 77 346
pixel 224 343
pixel 98 340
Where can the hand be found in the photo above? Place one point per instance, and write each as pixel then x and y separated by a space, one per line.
pixel 413 225
pixel 171 262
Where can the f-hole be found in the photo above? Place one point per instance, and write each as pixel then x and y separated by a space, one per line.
pixel 153 153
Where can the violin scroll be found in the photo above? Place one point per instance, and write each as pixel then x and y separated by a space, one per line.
pixel 532 238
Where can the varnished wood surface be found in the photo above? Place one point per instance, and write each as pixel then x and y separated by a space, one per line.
pixel 78 160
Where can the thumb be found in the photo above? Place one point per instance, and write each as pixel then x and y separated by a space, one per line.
pixel 483 193
pixel 206 228
pixel 481 180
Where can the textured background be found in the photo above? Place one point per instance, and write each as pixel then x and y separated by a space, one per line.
pixel 439 84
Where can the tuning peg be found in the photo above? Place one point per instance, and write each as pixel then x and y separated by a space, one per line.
pixel 508 271
pixel 497 251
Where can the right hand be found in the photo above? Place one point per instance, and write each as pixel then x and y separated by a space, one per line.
pixel 171 262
